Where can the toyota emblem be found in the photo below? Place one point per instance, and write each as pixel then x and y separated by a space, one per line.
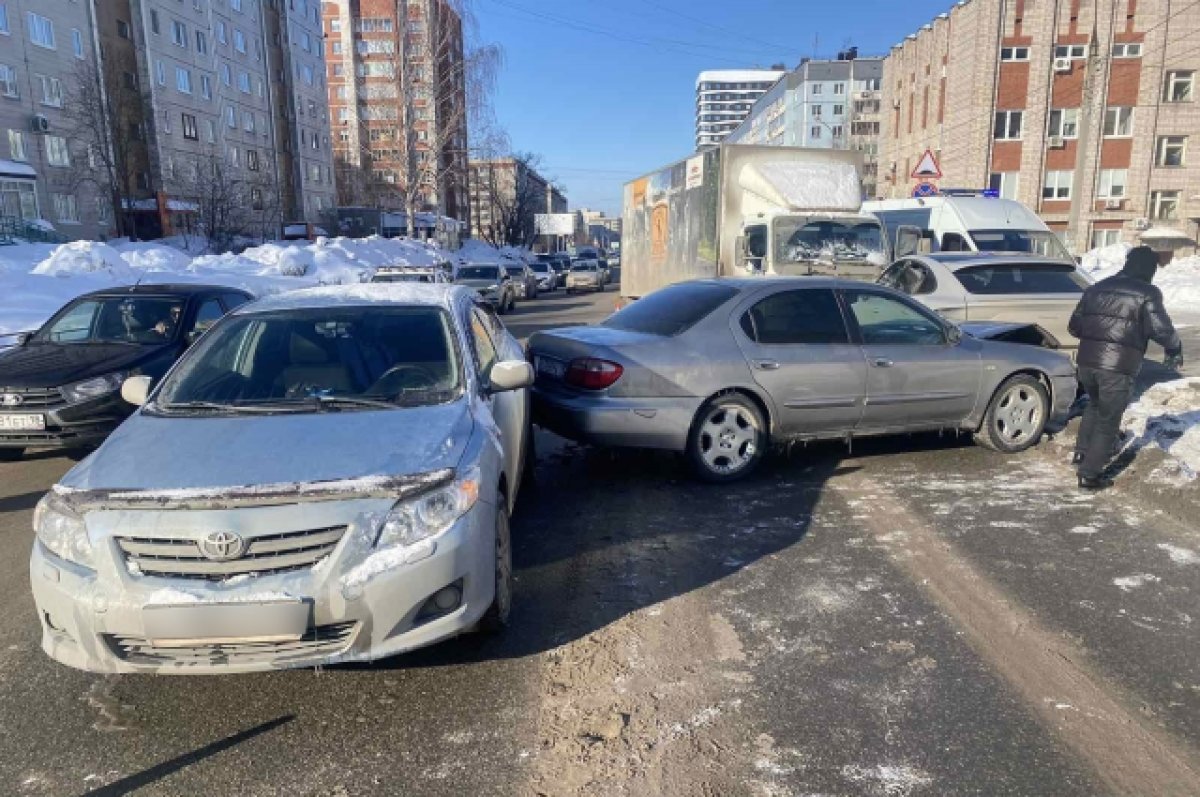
pixel 221 546
pixel 11 399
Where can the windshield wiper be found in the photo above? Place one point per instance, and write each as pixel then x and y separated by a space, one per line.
pixel 230 408
pixel 353 401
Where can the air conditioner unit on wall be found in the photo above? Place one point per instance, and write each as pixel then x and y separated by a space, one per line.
pixel 1141 224
pixel 1113 204
pixel 1056 142
pixel 39 123
pixel 1062 65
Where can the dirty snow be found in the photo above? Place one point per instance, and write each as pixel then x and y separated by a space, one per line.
pixel 1180 556
pixel 1167 417
pixel 1127 583
pixel 1179 280
pixel 887 779
pixel 37 279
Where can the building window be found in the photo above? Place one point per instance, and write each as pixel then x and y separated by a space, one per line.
pixel 201 42
pixel 205 87
pixel 244 82
pixel 51 91
pixel 1005 184
pixel 335 25
pixel 1014 53
pixel 189 127
pixel 1170 150
pixel 160 72
pixel 256 199
pixel 339 70
pixel 1008 125
pixel 122 29
pixel 226 75
pixel 1103 238
pixel 239 41
pixel 4 18
pixel 248 122
pixel 154 21
pixel 306 72
pixel 210 131
pixel 252 160
pixel 1164 205
pixel 235 156
pixel 77 42
pixel 221 32
pixel 1118 122
pixel 839 110
pixel 8 81
pixel 236 5
pixel 230 117
pixel 1057 185
pixel 1127 50
pixel 56 151
pixel 1074 52
pixel 817 88
pixel 816 131
pixel 65 209
pixel 1064 123
pixel 816 111
pixel 839 89
pixel 16 145
pixel 1112 183
pixel 337 48
pixel 837 131
pixel 179 33
pixel 1179 86
pixel 41 31
pixel 183 80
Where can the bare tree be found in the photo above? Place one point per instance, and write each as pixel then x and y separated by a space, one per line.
pixel 230 203
pixel 106 117
pixel 509 189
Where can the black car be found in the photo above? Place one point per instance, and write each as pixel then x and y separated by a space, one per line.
pixel 60 387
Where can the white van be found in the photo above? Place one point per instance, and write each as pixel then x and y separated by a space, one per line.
pixel 963 223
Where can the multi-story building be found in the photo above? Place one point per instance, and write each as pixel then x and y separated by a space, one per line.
pixel 398 97
pixel 505 189
pixel 1082 111
pixel 823 104
pixel 725 96
pixel 44 48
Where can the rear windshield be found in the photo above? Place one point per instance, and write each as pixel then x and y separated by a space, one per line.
pixel 478 273
pixel 1022 278
pixel 672 310
pixel 584 267
pixel 516 271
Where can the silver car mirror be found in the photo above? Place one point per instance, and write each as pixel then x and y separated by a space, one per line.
pixel 136 389
pixel 510 375
pixel 954 335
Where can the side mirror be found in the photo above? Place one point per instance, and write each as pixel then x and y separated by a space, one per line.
pixel 510 375
pixel 136 389
pixel 24 337
pixel 954 335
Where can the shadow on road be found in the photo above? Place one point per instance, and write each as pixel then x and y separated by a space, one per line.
pixel 20 501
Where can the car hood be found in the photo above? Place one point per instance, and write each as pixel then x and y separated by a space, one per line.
pixel 152 453
pixel 57 364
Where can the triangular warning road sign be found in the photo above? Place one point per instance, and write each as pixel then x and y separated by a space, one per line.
pixel 927 167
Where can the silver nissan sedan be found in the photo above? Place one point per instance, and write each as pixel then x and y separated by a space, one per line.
pixel 721 369
pixel 325 476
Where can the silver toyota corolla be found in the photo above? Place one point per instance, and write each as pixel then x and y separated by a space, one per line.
pixel 719 369
pixel 325 476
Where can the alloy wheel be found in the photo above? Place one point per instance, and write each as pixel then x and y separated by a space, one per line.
pixel 728 439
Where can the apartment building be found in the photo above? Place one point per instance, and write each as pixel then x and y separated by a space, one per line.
pixel 829 104
pixel 43 187
pixel 724 98
pixel 1082 110
pixel 502 189
pixel 397 93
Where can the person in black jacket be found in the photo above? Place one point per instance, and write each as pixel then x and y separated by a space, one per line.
pixel 1115 320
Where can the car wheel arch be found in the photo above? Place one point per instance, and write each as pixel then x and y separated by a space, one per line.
pixel 763 405
pixel 1041 376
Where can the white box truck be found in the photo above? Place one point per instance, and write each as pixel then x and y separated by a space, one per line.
pixel 739 210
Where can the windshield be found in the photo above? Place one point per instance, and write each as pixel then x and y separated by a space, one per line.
pixel 1009 278
pixel 403 278
pixel 478 273
pixel 540 267
pixel 296 360
pixel 115 319
pixel 584 267
pixel 516 271
pixel 814 239
pixel 672 310
pixel 1038 242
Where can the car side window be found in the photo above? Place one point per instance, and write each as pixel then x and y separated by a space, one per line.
pixel 75 325
pixel 232 300
pixel 888 321
pixel 954 242
pixel 481 343
pixel 805 316
pixel 209 313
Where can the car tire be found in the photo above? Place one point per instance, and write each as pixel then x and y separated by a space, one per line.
pixel 11 454
pixel 728 438
pixel 496 617
pixel 1016 416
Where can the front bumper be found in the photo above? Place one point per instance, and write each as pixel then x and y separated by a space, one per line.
pixel 577 285
pixel 361 604
pixel 602 420
pixel 68 425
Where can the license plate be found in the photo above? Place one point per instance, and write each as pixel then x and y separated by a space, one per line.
pixel 216 623
pixel 21 423
pixel 550 367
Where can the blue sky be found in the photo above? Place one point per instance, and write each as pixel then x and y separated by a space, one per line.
pixel 604 91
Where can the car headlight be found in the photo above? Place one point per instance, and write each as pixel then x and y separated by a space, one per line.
pixel 93 388
pixel 425 516
pixel 61 529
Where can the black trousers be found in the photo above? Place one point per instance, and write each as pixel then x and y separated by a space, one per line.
pixel 1108 396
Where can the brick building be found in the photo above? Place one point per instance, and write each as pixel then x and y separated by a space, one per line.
pixel 503 189
pixel 1080 109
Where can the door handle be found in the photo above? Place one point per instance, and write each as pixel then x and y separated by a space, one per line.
pixel 766 365
pixel 882 362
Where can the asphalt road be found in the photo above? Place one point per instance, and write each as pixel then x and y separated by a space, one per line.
pixel 915 617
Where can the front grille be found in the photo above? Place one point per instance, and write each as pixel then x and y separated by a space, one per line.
pixel 274 553
pixel 34 397
pixel 321 641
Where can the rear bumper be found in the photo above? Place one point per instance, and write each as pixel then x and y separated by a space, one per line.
pixel 1064 390
pixel 629 422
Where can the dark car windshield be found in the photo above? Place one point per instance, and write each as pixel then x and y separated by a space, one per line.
pixel 516 271
pixel 478 273
pixel 1022 278
pixel 584 267
pixel 672 310
pixel 540 267
pixel 293 360
pixel 116 319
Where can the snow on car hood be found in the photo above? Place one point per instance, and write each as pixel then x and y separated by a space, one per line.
pixel 242 452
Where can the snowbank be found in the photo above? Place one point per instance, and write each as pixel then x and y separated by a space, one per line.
pixel 37 279
pixel 1179 280
pixel 1167 417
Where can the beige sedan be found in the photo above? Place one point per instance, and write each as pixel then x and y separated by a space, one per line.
pixel 978 286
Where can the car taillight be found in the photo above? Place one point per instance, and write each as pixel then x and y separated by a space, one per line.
pixel 593 374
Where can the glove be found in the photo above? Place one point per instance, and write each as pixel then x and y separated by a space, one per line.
pixel 1174 362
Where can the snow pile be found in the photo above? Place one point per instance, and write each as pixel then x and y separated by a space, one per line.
pixel 85 257
pixel 152 256
pixel 1179 280
pixel 1167 417
pixel 1104 262
pixel 476 252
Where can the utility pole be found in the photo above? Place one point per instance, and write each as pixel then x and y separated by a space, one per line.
pixel 1087 116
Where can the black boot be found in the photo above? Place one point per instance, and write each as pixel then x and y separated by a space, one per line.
pixel 1095 482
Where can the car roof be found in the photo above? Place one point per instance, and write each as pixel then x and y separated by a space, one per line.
pixel 428 294
pixel 751 283
pixel 957 260
pixel 184 290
